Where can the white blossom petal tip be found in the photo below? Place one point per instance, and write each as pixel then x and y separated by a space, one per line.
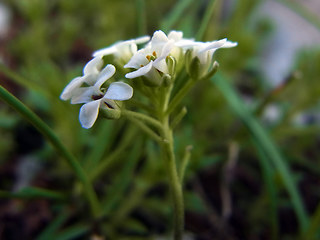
pixel 141 71
pixel 230 44
pixel 70 88
pixel 142 39
pixel 159 37
pixel 105 74
pixel 93 66
pixel 119 91
pixel 89 113
pixel 114 48
pixel 175 35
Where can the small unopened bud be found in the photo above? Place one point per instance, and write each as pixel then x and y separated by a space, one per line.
pixel 166 79
pixel 110 112
pixel 195 68
pixel 212 71
pixel 171 63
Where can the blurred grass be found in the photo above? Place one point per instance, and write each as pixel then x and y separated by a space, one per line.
pixel 49 43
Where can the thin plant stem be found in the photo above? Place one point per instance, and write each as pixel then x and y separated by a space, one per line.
pixel 185 162
pixel 175 184
pixel 146 129
pixel 179 96
pixel 143 117
pixel 47 132
pixel 170 162
pixel 176 120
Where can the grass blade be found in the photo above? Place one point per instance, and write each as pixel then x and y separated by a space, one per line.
pixel 47 132
pixel 266 144
pixel 141 19
pixel 49 232
pixel 176 14
pixel 33 192
pixel 205 21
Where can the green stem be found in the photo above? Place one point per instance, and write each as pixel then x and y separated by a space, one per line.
pixel 143 117
pixel 176 187
pixel 185 162
pixel 176 120
pixel 146 129
pixel 46 131
pixel 170 161
pixel 179 96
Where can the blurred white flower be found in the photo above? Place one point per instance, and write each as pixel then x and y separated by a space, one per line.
pixel 205 50
pixel 122 50
pixel 203 53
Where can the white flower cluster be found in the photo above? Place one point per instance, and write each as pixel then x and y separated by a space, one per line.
pixel 150 62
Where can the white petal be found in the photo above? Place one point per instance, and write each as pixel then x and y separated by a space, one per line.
pixel 118 45
pixel 89 113
pixel 161 65
pixel 159 37
pixel 138 59
pixel 187 43
pixel 93 66
pixel 229 44
pixel 119 91
pixel 141 71
pixel 166 49
pixel 213 45
pixel 142 39
pixel 104 75
pixel 84 95
pixel 175 35
pixel 69 89
pixel 105 51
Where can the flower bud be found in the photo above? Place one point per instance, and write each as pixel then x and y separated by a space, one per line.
pixel 110 112
pixel 171 63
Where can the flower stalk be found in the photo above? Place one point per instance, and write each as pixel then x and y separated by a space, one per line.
pixel 153 71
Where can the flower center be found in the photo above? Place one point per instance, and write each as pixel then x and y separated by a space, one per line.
pixel 96 97
pixel 152 57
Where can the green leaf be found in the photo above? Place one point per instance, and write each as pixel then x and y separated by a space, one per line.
pixel 49 232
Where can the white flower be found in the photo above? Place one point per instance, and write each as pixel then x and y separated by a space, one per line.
pixel 205 50
pixel 151 60
pixel 93 95
pixel 122 50
pixel 91 73
pixel 179 41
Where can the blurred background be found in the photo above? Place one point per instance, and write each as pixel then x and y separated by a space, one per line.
pixel 235 188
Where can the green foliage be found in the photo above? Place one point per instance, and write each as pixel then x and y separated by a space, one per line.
pixel 50 43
